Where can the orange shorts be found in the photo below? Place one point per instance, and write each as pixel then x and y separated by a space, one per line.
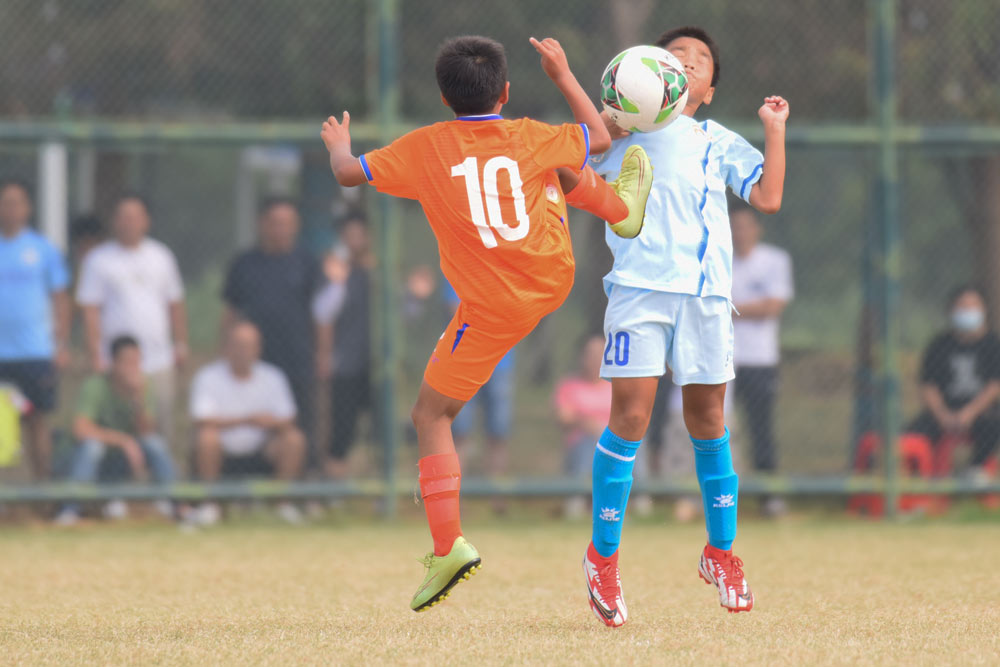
pixel 466 354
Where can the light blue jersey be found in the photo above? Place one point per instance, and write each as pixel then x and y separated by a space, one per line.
pixel 685 245
pixel 30 270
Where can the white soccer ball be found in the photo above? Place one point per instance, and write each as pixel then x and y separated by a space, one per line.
pixel 644 88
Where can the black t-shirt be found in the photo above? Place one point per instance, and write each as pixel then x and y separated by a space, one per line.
pixel 275 292
pixel 959 370
pixel 352 332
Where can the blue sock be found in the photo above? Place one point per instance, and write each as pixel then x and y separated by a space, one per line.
pixel 613 461
pixel 713 461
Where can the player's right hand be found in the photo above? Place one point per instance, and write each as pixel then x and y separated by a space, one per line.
pixel 336 134
pixel 553 57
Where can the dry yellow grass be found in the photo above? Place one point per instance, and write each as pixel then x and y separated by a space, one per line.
pixel 834 592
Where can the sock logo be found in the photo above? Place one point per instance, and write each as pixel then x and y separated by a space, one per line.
pixel 725 500
pixel 610 514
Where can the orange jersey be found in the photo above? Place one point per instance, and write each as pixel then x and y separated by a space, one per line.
pixel 490 192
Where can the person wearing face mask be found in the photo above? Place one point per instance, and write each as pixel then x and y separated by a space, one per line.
pixel 960 379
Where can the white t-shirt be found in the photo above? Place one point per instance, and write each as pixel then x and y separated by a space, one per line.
pixel 685 246
pixel 218 394
pixel 765 273
pixel 133 287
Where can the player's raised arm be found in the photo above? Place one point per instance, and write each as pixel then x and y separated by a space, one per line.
pixel 765 196
pixel 337 137
pixel 557 68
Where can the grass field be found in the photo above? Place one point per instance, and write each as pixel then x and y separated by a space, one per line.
pixel 828 591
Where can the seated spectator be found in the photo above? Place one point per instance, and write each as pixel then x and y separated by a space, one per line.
pixel 583 407
pixel 244 418
pixel 115 414
pixel 960 380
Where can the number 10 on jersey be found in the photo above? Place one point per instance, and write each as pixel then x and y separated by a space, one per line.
pixel 469 169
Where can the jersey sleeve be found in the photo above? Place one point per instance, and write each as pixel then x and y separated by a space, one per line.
pixel 554 146
pixel 742 164
pixel 90 290
pixel 395 169
pixel 932 369
pixel 56 273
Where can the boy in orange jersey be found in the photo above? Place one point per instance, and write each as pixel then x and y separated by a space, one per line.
pixel 491 191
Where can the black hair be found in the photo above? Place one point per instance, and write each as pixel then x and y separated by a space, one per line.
pixel 121 343
pixel 131 195
pixel 960 291
pixel 471 73
pixel 694 32
pixel 356 217
pixel 86 226
pixel 14 182
pixel 273 202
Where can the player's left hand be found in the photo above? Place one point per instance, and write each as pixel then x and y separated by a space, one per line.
pixel 774 110
pixel 336 134
pixel 553 57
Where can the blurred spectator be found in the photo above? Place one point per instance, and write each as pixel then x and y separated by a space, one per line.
pixel 583 406
pixel 762 287
pixel 960 380
pixel 495 401
pixel 130 286
pixel 115 412
pixel 34 319
pixel 343 308
pixel 244 417
pixel 273 285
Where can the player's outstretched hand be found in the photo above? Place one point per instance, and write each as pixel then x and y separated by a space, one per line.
pixel 553 57
pixel 336 134
pixel 774 110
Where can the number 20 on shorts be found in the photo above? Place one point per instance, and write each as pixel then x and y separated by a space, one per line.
pixel 616 351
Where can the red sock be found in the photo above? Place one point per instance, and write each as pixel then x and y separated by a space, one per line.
pixel 595 196
pixel 440 479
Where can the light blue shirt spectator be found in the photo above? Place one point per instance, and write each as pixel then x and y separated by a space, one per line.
pixel 31 269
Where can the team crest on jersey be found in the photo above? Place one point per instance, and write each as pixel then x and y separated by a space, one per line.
pixel 30 256
pixel 552 193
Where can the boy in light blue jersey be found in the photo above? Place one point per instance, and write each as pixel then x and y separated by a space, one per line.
pixel 669 303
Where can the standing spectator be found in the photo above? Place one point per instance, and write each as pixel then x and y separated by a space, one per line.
pixel 34 319
pixel 583 405
pixel 762 287
pixel 272 286
pixel 130 286
pixel 343 308
pixel 115 411
pixel 244 416
pixel 960 380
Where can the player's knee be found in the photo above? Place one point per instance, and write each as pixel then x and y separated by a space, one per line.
pixel 631 422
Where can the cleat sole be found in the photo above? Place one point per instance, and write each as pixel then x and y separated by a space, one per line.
pixel 464 573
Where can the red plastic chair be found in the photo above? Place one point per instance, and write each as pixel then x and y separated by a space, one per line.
pixel 916 460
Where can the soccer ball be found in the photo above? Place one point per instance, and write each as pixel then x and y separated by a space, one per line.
pixel 644 88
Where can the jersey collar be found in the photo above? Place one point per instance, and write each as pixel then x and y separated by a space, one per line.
pixel 492 116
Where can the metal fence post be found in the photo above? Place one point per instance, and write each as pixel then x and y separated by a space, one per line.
pixel 388 247
pixel 888 208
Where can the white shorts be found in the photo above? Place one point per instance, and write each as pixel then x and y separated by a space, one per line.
pixel 646 330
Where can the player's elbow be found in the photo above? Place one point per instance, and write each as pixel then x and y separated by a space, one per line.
pixel 347 177
pixel 600 140
pixel 768 205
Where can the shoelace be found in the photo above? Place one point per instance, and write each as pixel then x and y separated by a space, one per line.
pixel 607 582
pixel 733 567
pixel 427 560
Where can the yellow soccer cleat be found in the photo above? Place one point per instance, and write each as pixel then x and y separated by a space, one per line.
pixel 444 572
pixel 632 187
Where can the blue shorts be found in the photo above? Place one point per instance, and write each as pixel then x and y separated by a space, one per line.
pixel 646 330
pixel 35 378
pixel 494 398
